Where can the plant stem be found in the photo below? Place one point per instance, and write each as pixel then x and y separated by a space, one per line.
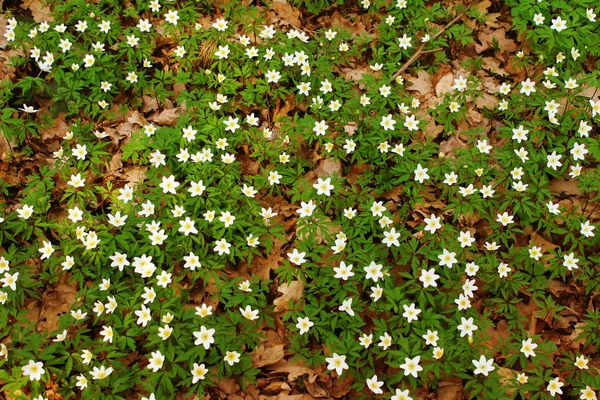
pixel 420 50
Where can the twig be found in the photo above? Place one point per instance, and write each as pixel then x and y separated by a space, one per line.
pixel 420 50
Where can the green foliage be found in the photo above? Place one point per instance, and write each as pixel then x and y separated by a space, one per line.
pixel 217 178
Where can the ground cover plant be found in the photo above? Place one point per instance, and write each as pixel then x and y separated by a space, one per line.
pixel 243 200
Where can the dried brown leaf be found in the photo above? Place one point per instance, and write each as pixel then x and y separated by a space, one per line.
pixel 563 186
pixel 56 301
pixel 290 291
pixel 329 166
pixel 167 117
pixel 449 391
pixel 262 266
pixel 267 355
pixel 444 84
pixel 340 22
pixel 294 369
pixel 135 174
pixel 39 11
pixel 288 15
pixel 493 64
pixel 489 36
pixel 421 83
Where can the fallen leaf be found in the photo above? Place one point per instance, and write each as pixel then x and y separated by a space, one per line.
pixel 482 6
pixel 316 390
pixel 328 167
pixel 228 386
pixel 167 117
pixel 149 103
pixel 291 291
pixel 540 241
pixel 507 377
pixel 491 20
pixel 267 355
pixel 56 301
pixel 135 174
pixel 498 37
pixel 492 64
pixel 40 12
pixel 350 128
pixel 445 84
pixel 294 369
pixel 449 391
pixel 563 186
pixel 261 266
pixel 447 147
pixel 341 387
pixel 340 22
pixel 288 15
pixel 421 83
pixel 134 117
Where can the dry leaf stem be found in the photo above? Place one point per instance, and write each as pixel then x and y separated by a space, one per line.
pixel 420 50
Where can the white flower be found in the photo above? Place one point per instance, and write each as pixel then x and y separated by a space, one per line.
pixel 172 17
pixel 204 336
pixel 404 42
pixel 391 238
pixel 374 385
pixel 385 341
pixel 411 366
pixel 553 208
pixel 483 366
pixel 528 347
pixel 374 271
pixel 222 52
pixel 323 186
pixel 447 258
pixel 107 333
pixel 554 386
pixel 466 326
pixel 558 24
pixel 401 394
pixel 527 87
pixel 34 370
pixel 503 270
pixel 570 261
pixel 387 122
pixel 222 247
pixel 198 372
pixel 553 160
pixel 538 19
pixel 10 280
pixel 204 311
pixel 579 151
pixel 297 257
pixel 460 83
pixel 587 230
pixel 101 373
pixel 337 362
pixel 347 306
pixel 343 271
pixel 304 324
pixel 232 357
pixel 411 313
pixel 249 313
pixel 581 362
pixel 156 361
pixel 465 239
pixel 535 252
pixel 428 278
pixel 46 250
pixel 432 223
pixel 421 173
